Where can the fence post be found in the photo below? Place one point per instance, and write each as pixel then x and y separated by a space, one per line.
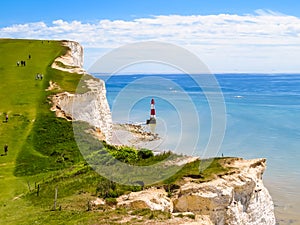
pixel 28 183
pixel 38 190
pixel 55 198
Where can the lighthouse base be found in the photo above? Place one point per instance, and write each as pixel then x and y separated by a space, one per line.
pixel 151 121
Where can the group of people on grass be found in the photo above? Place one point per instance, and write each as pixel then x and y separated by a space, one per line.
pixel 39 76
pixel 23 62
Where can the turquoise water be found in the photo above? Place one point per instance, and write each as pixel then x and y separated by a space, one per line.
pixel 262 121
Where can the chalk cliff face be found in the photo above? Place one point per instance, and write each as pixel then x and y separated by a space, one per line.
pixel 236 198
pixel 72 60
pixel 92 106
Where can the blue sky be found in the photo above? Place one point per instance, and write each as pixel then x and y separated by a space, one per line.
pixel 228 35
pixel 89 10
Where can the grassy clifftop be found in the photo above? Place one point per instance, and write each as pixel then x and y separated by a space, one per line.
pixel 24 100
pixel 42 153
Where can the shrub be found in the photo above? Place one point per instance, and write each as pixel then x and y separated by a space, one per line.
pixel 111 201
pixel 145 154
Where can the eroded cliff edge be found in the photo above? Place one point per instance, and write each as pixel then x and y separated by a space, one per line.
pixel 91 106
pixel 235 198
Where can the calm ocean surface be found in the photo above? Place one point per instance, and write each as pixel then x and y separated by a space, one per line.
pixel 262 121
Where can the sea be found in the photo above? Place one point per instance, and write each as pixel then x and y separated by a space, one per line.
pixel 239 115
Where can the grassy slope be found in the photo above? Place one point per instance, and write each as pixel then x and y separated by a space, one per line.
pixel 20 94
pixel 23 99
pixel 42 149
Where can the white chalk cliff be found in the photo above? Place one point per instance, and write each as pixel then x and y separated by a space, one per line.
pixel 72 60
pixel 91 107
pixel 236 198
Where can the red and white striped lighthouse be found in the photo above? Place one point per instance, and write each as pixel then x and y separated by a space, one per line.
pixel 152 112
pixel 152 119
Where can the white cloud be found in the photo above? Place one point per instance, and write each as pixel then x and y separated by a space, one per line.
pixel 262 42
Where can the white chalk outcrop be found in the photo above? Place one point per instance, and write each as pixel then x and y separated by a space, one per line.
pixel 238 198
pixel 234 199
pixel 92 106
pixel 72 60
pixel 153 198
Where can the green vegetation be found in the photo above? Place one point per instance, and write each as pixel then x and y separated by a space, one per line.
pixel 43 154
pixel 213 168
pixel 24 100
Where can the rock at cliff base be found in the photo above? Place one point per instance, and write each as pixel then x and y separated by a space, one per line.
pixel 153 198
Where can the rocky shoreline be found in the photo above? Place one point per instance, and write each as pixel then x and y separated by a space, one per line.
pixel 133 135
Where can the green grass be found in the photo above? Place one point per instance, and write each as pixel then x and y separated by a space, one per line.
pixel 43 152
pixel 20 93
pixel 24 99
pixel 50 145
pixel 212 169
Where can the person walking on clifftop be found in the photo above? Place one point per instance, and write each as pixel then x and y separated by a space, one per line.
pixel 5 149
